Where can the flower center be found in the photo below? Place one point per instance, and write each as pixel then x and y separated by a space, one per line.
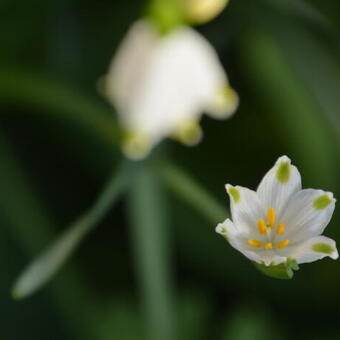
pixel 268 228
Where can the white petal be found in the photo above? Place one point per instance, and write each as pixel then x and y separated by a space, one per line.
pixel 266 257
pixel 224 103
pixel 314 249
pixel 303 217
pixel 273 260
pixel 279 184
pixel 238 240
pixel 262 256
pixel 189 133
pixel 183 77
pixel 246 208
pixel 128 66
pixel 226 228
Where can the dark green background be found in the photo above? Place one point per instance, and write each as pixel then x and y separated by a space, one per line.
pixel 57 150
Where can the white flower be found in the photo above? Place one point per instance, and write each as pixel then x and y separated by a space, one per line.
pixel 280 221
pixel 161 84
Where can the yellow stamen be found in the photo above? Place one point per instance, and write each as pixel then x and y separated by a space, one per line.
pixel 254 243
pixel 261 225
pixel 282 244
pixel 281 229
pixel 268 245
pixel 271 217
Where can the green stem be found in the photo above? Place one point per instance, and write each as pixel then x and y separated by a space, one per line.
pixel 186 188
pixel 115 186
pixel 166 14
pixel 151 247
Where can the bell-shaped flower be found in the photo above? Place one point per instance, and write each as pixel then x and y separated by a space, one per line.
pixel 280 223
pixel 161 85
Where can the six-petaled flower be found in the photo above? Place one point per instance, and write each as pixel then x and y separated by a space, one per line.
pixel 280 222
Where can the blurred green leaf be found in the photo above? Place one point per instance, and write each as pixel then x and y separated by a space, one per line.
pixel 31 226
pixel 186 188
pixel 57 101
pixel 151 246
pixel 122 320
pixel 48 262
pixel 300 122
pixel 251 322
pixel 301 9
pixel 194 311
pixel 305 52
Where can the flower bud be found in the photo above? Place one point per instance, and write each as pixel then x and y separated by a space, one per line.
pixel 202 11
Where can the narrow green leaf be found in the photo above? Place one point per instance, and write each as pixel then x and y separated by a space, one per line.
pixel 30 225
pixel 47 264
pixel 150 242
pixel 186 188
pixel 251 321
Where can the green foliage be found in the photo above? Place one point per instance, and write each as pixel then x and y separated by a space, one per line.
pixel 155 268
pixel 151 248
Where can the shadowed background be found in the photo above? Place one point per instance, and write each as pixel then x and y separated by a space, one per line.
pixel 58 147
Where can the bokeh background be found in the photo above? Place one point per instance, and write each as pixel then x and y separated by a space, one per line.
pixel 176 279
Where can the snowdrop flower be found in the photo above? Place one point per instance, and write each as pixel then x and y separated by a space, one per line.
pixel 280 222
pixel 161 84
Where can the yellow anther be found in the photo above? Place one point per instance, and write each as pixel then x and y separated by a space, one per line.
pixel 282 244
pixel 254 243
pixel 268 245
pixel 261 225
pixel 281 229
pixel 271 217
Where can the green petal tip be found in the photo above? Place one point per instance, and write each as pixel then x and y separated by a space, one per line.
pixel 15 294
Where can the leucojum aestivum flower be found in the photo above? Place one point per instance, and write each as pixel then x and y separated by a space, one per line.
pixel 161 83
pixel 279 226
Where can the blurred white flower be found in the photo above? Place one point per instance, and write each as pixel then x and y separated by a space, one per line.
pixel 280 222
pixel 202 11
pixel 161 84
